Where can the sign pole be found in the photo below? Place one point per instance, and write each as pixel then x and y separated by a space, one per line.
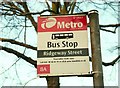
pixel 96 49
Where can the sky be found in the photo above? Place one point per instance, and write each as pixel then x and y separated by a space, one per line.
pixel 23 73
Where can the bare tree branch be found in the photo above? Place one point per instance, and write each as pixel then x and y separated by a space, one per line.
pixel 55 7
pixel 72 7
pixel 18 54
pixel 65 10
pixel 14 7
pixel 24 4
pixel 107 30
pixel 109 63
pixel 10 67
pixel 47 4
pixel 112 62
pixel 36 13
pixel 18 43
pixel 111 25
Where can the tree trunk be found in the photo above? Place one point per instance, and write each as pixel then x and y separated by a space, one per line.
pixel 53 82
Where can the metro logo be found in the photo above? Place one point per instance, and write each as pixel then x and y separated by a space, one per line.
pixel 48 23
pixel 62 23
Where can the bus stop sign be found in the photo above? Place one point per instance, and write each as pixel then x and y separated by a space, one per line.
pixel 62 48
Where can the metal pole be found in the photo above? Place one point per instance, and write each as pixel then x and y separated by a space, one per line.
pixel 96 49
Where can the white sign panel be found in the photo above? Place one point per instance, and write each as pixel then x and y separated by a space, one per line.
pixel 62 46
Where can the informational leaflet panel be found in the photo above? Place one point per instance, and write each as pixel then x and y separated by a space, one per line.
pixel 62 46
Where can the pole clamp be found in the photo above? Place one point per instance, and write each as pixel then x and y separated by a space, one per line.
pixel 95 72
pixel 92 11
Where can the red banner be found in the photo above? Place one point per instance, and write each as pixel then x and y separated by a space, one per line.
pixel 62 23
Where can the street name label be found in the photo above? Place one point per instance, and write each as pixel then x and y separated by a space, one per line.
pixel 62 53
pixel 62 45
